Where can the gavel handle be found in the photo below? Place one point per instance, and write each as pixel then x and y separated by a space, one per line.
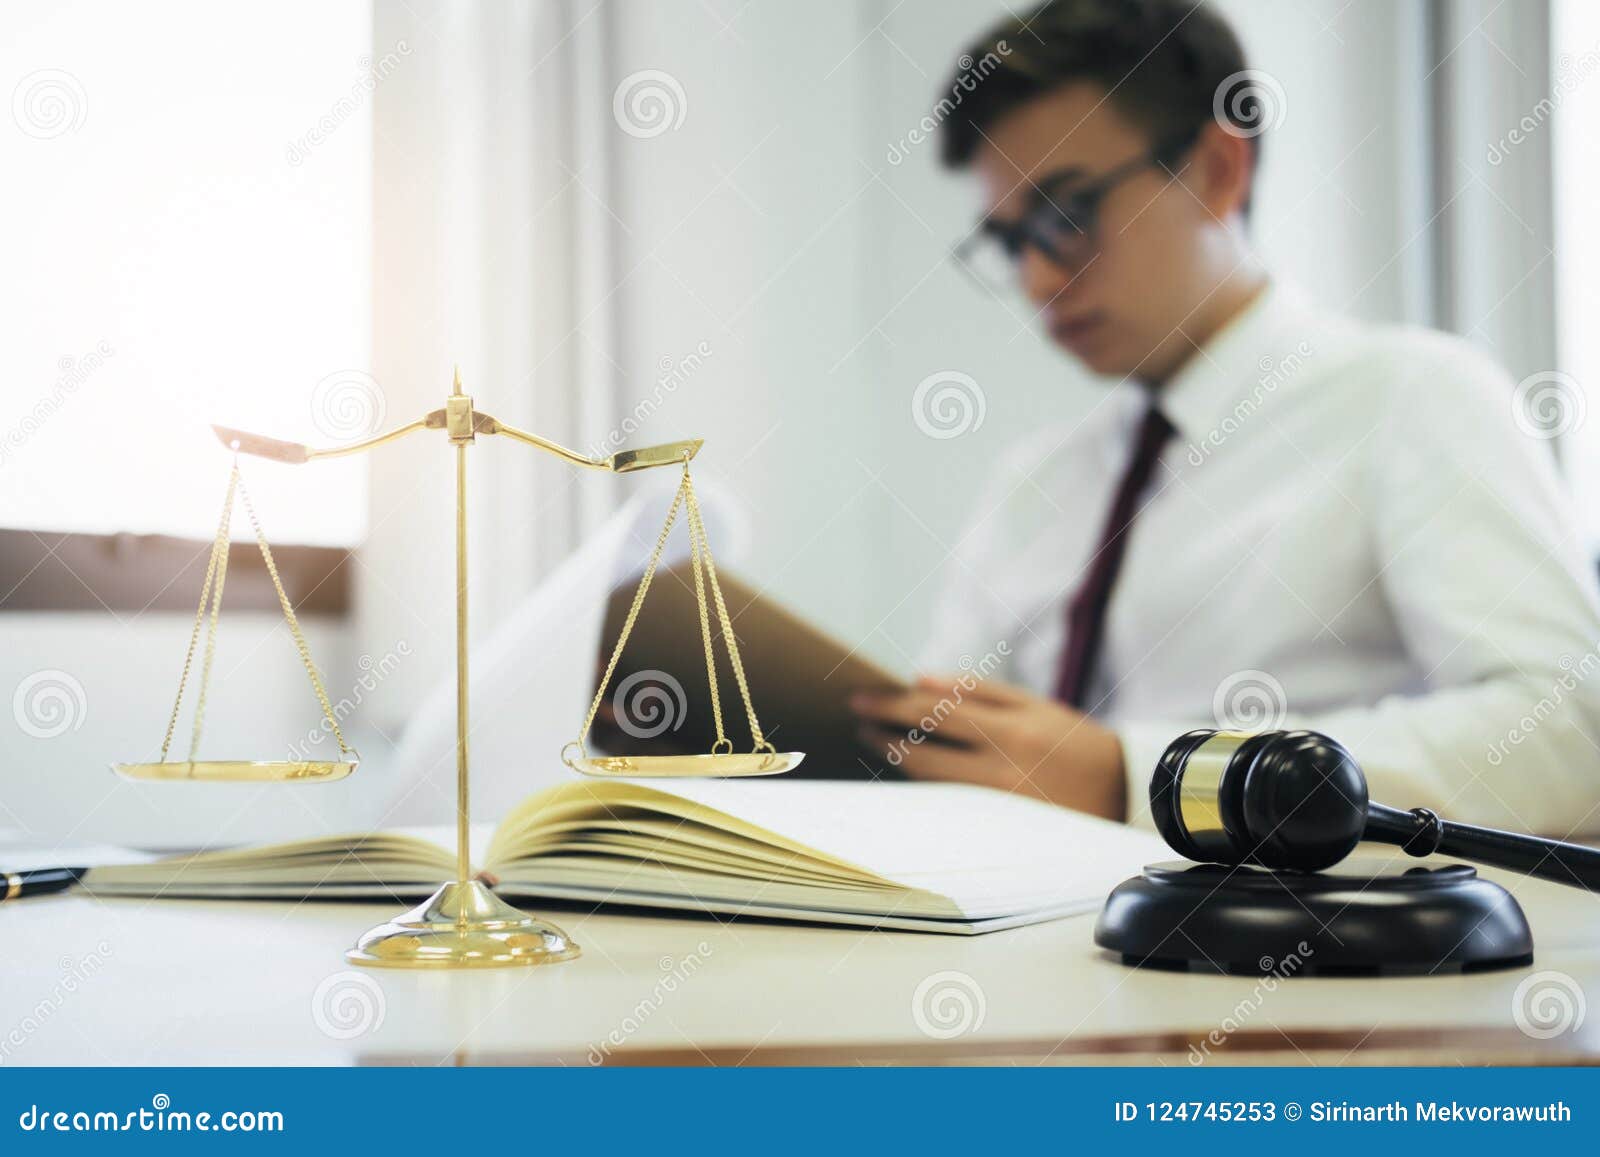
pixel 1421 833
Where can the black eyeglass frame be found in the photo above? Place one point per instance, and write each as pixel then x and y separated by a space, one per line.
pixel 1080 212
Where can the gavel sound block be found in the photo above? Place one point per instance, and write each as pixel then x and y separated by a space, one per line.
pixel 1270 816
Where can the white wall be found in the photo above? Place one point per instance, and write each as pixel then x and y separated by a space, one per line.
pixel 116 683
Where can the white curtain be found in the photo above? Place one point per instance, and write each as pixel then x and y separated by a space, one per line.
pixel 1511 112
pixel 492 241
pixel 1488 74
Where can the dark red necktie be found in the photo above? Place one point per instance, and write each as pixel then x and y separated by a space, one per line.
pixel 1086 613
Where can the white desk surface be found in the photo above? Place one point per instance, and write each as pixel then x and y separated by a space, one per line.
pixel 210 982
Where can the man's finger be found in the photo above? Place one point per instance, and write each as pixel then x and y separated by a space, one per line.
pixel 991 691
pixel 895 708
pixel 925 712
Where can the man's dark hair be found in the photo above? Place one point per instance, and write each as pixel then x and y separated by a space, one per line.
pixel 1168 65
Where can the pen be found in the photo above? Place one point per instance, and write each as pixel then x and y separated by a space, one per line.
pixel 38 881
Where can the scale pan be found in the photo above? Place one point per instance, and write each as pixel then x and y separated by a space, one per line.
pixel 690 766
pixel 239 770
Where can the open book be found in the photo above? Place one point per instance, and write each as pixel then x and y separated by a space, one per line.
pixel 917 856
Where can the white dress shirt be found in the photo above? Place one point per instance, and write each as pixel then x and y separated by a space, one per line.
pixel 1349 532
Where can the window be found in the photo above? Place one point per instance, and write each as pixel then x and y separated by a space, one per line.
pixel 186 224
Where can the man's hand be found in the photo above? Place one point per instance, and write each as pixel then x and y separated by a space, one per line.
pixel 976 731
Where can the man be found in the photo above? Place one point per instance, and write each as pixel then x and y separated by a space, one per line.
pixel 1277 517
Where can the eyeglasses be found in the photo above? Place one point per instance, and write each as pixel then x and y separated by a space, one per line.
pixel 1061 220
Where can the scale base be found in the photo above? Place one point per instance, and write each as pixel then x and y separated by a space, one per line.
pixel 463 926
pixel 1357 919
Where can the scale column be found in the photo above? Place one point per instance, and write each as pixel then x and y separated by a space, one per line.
pixel 459 425
pixel 463 924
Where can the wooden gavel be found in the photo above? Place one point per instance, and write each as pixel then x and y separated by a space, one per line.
pixel 1298 800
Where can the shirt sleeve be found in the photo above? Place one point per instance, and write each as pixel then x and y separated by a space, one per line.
pixel 1496 601
pixel 1478 556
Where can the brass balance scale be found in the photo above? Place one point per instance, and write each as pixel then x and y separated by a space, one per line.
pixel 464 924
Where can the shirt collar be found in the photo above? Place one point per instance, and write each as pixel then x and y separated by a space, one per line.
pixel 1231 366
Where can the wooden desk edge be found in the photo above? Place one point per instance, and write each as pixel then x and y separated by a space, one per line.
pixel 1296 1047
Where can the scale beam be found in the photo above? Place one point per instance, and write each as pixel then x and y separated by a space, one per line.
pixel 298 453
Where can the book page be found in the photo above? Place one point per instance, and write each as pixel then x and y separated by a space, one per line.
pixel 381 857
pixel 987 851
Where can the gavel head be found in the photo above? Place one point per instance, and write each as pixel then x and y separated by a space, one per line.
pixel 1280 799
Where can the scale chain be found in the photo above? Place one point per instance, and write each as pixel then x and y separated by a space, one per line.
pixel 218 546
pixel 627 625
pixel 697 526
pixel 705 574
pixel 723 743
pixel 211 591
pixel 294 623
pixel 220 560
